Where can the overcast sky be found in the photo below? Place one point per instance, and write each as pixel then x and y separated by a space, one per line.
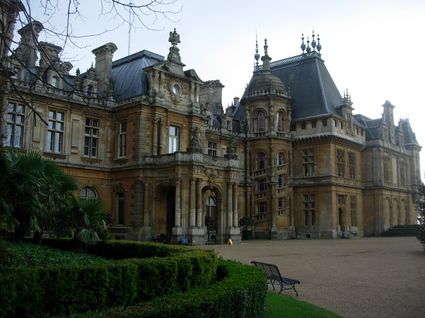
pixel 373 48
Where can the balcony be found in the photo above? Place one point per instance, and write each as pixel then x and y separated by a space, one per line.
pixel 198 158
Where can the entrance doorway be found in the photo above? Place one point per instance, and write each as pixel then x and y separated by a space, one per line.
pixel 211 219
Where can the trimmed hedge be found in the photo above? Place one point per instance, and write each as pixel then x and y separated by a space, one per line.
pixel 240 294
pixel 62 290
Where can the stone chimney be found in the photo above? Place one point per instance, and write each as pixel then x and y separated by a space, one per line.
pixel 49 55
pixel 103 67
pixel 26 52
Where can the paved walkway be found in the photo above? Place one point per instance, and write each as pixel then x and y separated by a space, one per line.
pixel 360 277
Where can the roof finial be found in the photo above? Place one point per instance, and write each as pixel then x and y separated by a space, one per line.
pixel 266 58
pixel 319 47
pixel 257 55
pixel 313 42
pixel 308 46
pixel 302 42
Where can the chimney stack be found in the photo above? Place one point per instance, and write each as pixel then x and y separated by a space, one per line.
pixel 103 67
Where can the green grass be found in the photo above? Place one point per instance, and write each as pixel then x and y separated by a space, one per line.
pixel 284 306
pixel 27 254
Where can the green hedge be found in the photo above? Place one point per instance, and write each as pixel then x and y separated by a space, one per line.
pixel 241 294
pixel 54 290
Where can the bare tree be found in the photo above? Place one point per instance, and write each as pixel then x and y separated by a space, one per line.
pixel 17 56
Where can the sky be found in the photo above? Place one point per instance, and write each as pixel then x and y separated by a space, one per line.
pixel 373 48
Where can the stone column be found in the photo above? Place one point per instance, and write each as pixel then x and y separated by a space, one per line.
pixel 192 207
pixel 229 205
pixel 178 198
pixel 155 137
pixel 199 222
pixel 235 204
pixel 146 205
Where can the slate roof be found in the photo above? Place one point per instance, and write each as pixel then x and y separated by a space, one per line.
pixel 310 85
pixel 129 78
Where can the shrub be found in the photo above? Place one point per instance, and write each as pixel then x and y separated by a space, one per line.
pixel 240 293
pixel 420 204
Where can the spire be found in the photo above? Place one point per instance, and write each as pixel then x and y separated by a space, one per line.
pixel 308 46
pixel 313 42
pixel 266 58
pixel 257 55
pixel 319 47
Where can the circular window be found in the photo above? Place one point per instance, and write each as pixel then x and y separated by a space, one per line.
pixel 175 89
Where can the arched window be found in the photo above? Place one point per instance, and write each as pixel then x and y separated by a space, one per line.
pixel 261 121
pixel 261 161
pixel 90 90
pixel 88 193
pixel 280 118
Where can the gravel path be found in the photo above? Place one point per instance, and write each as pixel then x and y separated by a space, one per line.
pixel 360 277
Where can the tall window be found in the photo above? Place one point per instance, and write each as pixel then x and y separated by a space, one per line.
pixel 261 161
pixel 353 210
pixel 281 159
pixel 281 206
pixel 122 140
pixel 261 185
pixel 173 139
pixel 309 210
pixel 402 172
pixel 261 121
pixel 261 210
pixel 387 169
pixel 308 162
pixel 88 193
pixel 55 131
pixel 212 148
pixel 280 118
pixel 280 181
pixel 120 208
pixel 340 162
pixel 91 137
pixel 352 165
pixel 15 125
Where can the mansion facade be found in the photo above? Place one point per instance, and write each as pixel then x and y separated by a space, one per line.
pixel 151 140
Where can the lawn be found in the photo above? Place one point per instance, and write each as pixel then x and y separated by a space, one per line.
pixel 278 306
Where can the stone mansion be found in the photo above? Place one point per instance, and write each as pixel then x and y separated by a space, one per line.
pixel 151 140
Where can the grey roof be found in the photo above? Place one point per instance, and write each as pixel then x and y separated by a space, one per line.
pixel 129 78
pixel 310 84
pixel 409 135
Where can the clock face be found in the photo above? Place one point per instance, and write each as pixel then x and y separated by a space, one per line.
pixel 175 89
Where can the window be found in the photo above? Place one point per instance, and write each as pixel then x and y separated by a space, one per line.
pixel 309 210
pixel 308 162
pixel 173 139
pixel 90 90
pixel 212 149
pixel 341 211
pixel 55 131
pixel 303 125
pixel 402 173
pixel 261 185
pixel 55 81
pixel 387 171
pixel 261 211
pixel 314 124
pixel 261 121
pixel 280 125
pixel 261 161
pixel 88 193
pixel 281 206
pixel 340 162
pixel 122 140
pixel 15 125
pixel 352 165
pixel 324 122
pixel 120 208
pixel 353 210
pixel 280 159
pixel 280 181
pixel 91 137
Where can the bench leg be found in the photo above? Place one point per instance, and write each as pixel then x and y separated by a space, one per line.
pixel 293 287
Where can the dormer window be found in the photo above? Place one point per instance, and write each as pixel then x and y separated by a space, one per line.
pixel 55 81
pixel 90 90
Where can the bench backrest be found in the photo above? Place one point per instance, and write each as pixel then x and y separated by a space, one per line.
pixel 271 270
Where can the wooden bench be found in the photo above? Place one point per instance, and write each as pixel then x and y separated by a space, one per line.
pixel 274 277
